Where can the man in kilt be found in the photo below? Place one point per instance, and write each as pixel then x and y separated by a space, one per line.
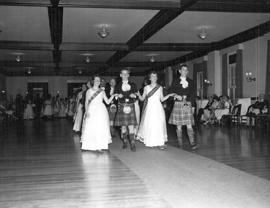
pixel 125 116
pixel 182 113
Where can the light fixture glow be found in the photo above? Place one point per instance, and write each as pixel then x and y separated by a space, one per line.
pixel 203 34
pixel 103 33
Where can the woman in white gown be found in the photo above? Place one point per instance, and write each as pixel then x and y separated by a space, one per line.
pixel 96 131
pixel 79 110
pixel 28 111
pixel 48 110
pixel 152 130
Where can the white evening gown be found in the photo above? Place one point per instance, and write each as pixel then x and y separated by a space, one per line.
pixel 96 131
pixel 79 113
pixel 153 131
pixel 48 111
pixel 28 112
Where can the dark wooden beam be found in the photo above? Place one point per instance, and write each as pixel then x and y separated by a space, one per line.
pixel 62 72
pixel 123 4
pixel 241 37
pixel 94 47
pixel 26 64
pixel 162 18
pixel 56 25
pixel 259 6
pixel 239 6
pixel 114 4
pixel 172 46
pixel 77 64
pixel 72 46
pixel 34 3
pixel 25 45
pixel 56 29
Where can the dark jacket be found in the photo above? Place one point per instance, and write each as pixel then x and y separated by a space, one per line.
pixel 126 95
pixel 177 88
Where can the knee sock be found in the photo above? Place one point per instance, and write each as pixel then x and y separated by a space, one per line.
pixel 190 133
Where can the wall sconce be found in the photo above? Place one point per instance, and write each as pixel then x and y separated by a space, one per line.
pixel 249 77
pixel 207 82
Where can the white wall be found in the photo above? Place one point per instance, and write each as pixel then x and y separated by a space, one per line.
pixel 254 60
pixel 56 83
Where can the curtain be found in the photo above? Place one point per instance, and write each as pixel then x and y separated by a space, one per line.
pixel 224 74
pixel 239 74
pixel 267 81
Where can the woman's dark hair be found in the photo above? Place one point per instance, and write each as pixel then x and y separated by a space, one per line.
pixel 93 78
pixel 152 72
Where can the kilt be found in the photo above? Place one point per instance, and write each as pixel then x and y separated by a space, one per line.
pixel 125 118
pixel 181 114
pixel 112 109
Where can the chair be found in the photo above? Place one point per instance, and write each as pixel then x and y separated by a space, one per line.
pixel 245 106
pixel 235 115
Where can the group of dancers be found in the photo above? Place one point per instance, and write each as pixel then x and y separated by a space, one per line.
pixel 99 111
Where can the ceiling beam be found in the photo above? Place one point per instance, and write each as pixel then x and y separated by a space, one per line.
pixel 56 28
pixel 113 4
pixel 239 6
pixel 25 45
pixel 94 47
pixel 34 3
pixel 172 46
pixel 241 37
pixel 250 6
pixel 72 46
pixel 123 4
pixel 65 73
pixel 37 64
pixel 162 18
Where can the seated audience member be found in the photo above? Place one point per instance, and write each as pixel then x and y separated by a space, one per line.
pixel 260 107
pixel 208 113
pixel 223 108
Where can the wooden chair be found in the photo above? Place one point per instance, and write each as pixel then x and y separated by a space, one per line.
pixel 234 116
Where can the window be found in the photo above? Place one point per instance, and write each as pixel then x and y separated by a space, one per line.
pixel 231 75
pixel 200 82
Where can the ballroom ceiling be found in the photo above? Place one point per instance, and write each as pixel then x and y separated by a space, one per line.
pixel 60 37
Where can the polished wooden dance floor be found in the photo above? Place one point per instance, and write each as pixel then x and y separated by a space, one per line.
pixel 41 165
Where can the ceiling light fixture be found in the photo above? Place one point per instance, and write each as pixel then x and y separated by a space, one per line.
pixel 103 32
pixel 202 34
pixel 87 57
pixel 152 57
pixel 18 57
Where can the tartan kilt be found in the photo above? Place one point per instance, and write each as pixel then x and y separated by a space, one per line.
pixel 112 109
pixel 125 119
pixel 181 114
